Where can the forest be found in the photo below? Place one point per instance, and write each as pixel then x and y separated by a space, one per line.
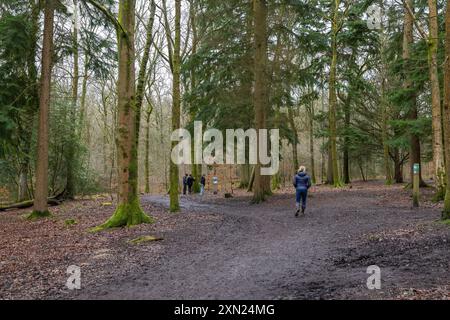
pixel 93 94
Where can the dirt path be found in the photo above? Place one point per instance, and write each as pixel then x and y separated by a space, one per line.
pixel 263 252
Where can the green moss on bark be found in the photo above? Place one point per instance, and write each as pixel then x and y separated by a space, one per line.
pixel 446 212
pixel 126 215
pixel 338 184
pixel 35 215
pixel 439 195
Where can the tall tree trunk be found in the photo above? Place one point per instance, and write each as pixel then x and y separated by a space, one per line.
pixel 408 40
pixel 385 104
pixel 281 86
pixel 261 183
pixel 252 180
pixel 386 158
pixel 311 143
pixel 83 125
pixel 128 212
pixel 295 138
pixel 176 96
pixel 398 167
pixel 28 116
pixel 147 153
pixel 142 77
pixel 438 150
pixel 70 156
pixel 332 95
pixel 40 208
pixel 346 166
pixel 385 133
pixel 23 183
pixel 446 213
pixel 105 131
pixel 346 158
pixel 361 170
pixel 326 177
pixel 329 166
pixel 196 168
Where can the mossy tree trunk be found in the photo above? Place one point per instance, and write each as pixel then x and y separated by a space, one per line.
pixel 40 208
pixel 432 39
pixel 128 212
pixel 446 213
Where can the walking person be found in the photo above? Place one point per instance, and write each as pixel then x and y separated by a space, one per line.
pixel 202 185
pixel 302 183
pixel 185 183
pixel 190 183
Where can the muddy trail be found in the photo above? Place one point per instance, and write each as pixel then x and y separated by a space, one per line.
pixel 264 252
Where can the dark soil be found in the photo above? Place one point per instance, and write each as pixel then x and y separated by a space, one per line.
pixel 228 249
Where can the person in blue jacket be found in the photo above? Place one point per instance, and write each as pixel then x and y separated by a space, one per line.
pixel 302 183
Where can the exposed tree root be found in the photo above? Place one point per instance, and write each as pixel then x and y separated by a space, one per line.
pixel 126 215
pixel 35 215
pixel 338 184
pixel 144 239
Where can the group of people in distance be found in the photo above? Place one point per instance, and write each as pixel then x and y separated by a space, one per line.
pixel 188 182
pixel 301 182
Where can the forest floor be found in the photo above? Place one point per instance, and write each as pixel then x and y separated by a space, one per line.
pixel 220 248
